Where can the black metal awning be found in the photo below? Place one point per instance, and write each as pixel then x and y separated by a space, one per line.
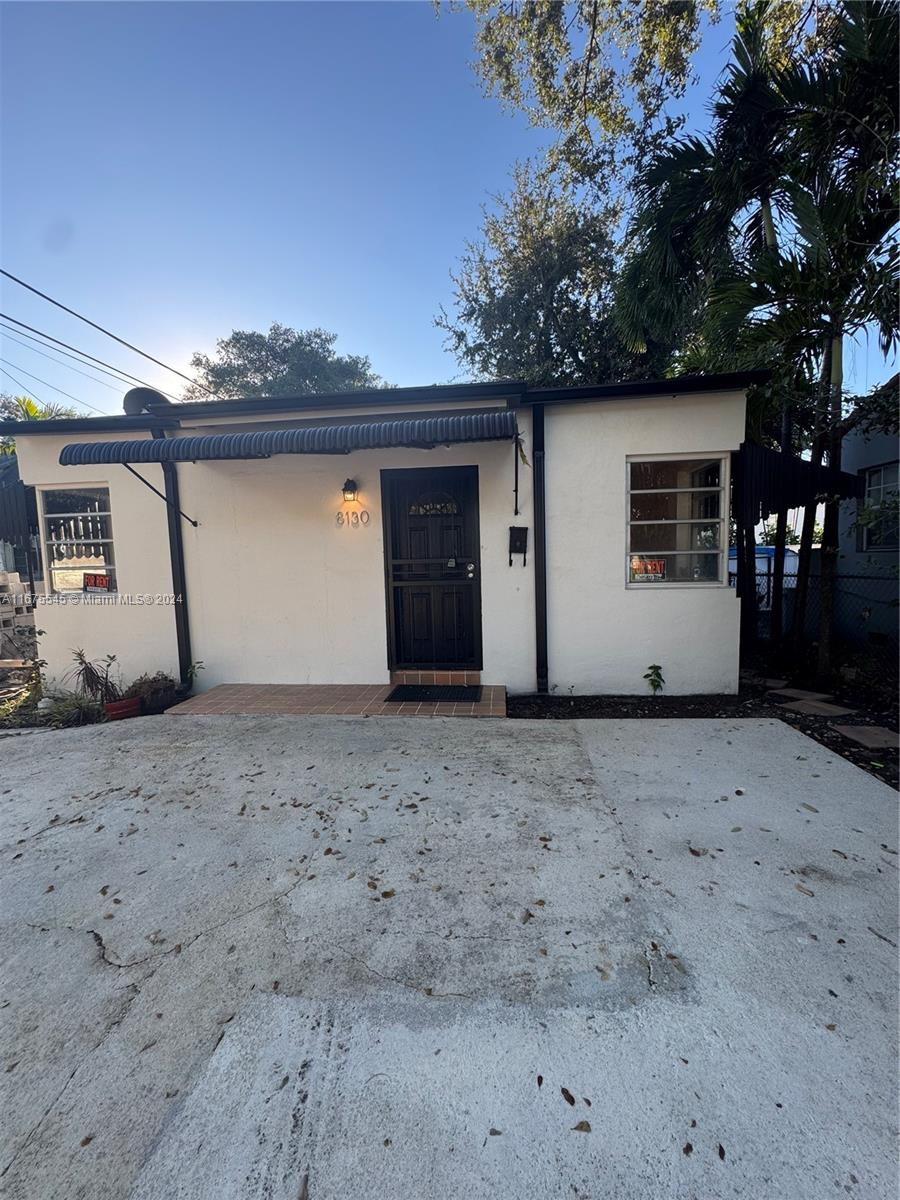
pixel 486 425
pixel 768 482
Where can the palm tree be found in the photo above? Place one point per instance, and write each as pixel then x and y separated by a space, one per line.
pixel 775 237
pixel 24 408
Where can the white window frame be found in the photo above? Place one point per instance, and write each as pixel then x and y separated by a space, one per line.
pixel 724 489
pixel 866 547
pixel 40 489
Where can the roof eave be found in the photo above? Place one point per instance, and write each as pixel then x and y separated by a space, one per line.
pixel 676 386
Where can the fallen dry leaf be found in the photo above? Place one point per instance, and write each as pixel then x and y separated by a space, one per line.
pixel 804 890
pixel 582 1127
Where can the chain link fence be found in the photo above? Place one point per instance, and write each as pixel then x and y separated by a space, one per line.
pixel 866 612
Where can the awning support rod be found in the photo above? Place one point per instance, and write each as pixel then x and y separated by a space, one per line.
pixel 165 499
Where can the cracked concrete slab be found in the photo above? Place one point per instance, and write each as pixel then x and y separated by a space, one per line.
pixel 274 957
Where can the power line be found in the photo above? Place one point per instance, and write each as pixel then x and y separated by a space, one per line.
pixel 115 337
pixel 69 395
pixel 84 354
pixel 18 384
pixel 52 358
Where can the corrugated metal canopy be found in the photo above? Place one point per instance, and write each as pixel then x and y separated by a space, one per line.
pixel 487 425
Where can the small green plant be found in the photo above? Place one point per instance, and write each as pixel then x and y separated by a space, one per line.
pixel 93 678
pixel 654 677
pixel 71 709
pixel 193 670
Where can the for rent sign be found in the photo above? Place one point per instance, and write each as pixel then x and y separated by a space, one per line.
pixel 647 570
pixel 92 582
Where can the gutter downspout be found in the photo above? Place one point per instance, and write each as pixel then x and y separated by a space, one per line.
pixel 540 551
pixel 176 555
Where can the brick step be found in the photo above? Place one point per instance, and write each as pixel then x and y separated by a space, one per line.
pixel 472 678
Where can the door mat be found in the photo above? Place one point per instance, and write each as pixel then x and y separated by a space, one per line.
pixel 414 693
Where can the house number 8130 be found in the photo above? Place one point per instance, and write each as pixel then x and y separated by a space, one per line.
pixel 352 519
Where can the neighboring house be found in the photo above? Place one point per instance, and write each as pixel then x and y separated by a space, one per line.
pixel 537 538
pixel 867 596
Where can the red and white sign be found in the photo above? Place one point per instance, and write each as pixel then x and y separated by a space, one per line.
pixel 647 570
pixel 91 582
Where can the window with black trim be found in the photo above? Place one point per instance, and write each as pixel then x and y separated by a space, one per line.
pixel 677 520
pixel 78 541
pixel 878 522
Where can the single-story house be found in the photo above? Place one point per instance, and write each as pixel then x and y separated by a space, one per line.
pixel 557 539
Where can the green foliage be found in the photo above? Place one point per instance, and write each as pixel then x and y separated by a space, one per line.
pixel 775 236
pixel 193 670
pixel 654 677
pixel 534 298
pixel 607 75
pixel 599 72
pixel 23 408
pixel 70 709
pixel 282 362
pixel 93 678
pixel 792 538
pixel 156 692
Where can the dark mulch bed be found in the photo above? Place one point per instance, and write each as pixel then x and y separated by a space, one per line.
pixel 752 701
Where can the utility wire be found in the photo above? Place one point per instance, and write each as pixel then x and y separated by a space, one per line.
pixel 26 390
pixel 69 395
pixel 52 358
pixel 18 384
pixel 84 354
pixel 115 337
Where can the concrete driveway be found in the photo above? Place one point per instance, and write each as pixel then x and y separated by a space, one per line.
pixel 322 959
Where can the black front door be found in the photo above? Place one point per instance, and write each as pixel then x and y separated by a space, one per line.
pixel 431 547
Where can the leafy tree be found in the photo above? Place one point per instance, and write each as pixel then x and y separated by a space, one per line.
pixel 606 75
pixel 23 408
pixel 282 362
pixel 534 298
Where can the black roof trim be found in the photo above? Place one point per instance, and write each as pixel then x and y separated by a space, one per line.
pixel 90 424
pixel 677 385
pixel 514 391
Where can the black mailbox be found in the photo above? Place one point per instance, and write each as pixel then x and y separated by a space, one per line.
pixel 518 542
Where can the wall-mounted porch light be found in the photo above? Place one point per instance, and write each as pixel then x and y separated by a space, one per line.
pixel 350 490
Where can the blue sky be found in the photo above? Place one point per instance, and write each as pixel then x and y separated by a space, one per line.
pixel 174 171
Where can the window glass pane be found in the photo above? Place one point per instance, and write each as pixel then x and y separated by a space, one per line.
pixel 674 506
pixel 686 473
pixel 77 500
pixel 81 527
pixel 90 555
pixel 676 536
pixel 674 568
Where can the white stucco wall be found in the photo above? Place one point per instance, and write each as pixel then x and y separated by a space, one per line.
pixel 142 637
pixel 603 634
pixel 280 593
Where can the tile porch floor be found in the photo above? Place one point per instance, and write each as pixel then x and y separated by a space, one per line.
pixel 332 699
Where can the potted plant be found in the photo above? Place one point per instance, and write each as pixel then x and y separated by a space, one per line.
pixel 156 692
pixel 94 679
